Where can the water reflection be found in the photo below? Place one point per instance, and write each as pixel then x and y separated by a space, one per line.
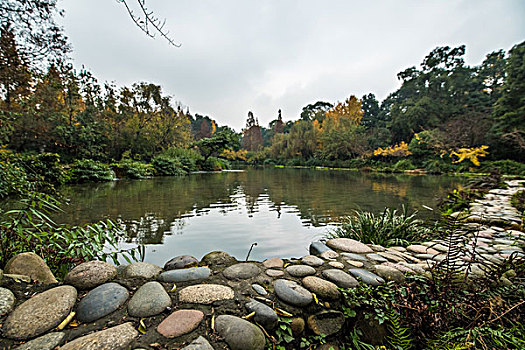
pixel 281 209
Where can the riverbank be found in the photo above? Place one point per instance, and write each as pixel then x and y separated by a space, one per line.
pixel 220 303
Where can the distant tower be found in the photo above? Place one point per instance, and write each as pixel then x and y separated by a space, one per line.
pixel 279 125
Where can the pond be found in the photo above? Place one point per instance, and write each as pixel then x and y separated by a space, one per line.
pixel 282 210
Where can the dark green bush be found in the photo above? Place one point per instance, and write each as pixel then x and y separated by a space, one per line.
pixel 45 167
pixel 510 167
pixel 132 169
pixel 214 164
pixel 87 170
pixel 189 158
pixel 13 177
pixel 166 166
pixel 402 165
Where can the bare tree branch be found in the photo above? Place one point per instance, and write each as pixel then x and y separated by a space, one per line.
pixel 148 22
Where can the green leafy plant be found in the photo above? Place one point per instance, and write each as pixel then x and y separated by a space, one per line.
pixel 283 334
pixel 167 166
pixel 131 169
pixel 399 337
pixel 388 228
pixel 30 228
pixel 88 170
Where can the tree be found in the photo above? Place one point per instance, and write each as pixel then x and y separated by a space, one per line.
pixel 216 144
pixel 508 132
pixel 340 134
pixel 315 111
pixel 14 71
pixel 370 107
pixel 33 23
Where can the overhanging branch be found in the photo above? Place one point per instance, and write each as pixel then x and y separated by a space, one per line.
pixel 148 22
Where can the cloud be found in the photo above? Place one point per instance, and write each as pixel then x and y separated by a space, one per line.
pixel 265 55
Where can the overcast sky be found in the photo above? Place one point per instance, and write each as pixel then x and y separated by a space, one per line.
pixel 266 55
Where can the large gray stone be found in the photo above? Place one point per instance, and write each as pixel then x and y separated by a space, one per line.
pixel 184 275
pixel 241 271
pixel 101 301
pixel 389 273
pixel 181 262
pixel 349 245
pixel 141 270
pixel 198 344
pixel 205 293
pixel 367 276
pixel 114 338
pixel 90 274
pixel 41 313
pixel 46 342
pixel 292 293
pixel 7 300
pixel 240 334
pixel 340 278
pixel 322 288
pixel 312 260
pixel 264 315
pixel 149 300
pixel 353 256
pixel 30 264
pixel 318 248
pixel 300 270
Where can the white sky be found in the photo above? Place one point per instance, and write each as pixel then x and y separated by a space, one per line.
pixel 264 55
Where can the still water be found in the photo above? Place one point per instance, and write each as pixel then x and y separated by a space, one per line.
pixel 282 210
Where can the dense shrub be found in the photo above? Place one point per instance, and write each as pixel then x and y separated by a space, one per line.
pixel 87 170
pixel 189 158
pixel 504 166
pixel 166 166
pixel 13 177
pixel 21 173
pixel 402 165
pixel 214 164
pixel 44 167
pixel 386 229
pixel 132 169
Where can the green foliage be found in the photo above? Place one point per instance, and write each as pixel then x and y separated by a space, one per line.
pixel 166 166
pixel 373 301
pixel 132 169
pixel 402 165
pixel 217 143
pixel 13 177
pixel 356 342
pixel 388 228
pixel 87 170
pixel 399 337
pixel 509 111
pixel 30 228
pixel 506 166
pixel 45 166
pixel 518 201
pixel 188 157
pixel 283 334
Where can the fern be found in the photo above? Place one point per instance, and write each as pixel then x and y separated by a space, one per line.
pixel 400 337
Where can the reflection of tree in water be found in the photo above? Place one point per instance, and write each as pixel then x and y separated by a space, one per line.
pixel 156 207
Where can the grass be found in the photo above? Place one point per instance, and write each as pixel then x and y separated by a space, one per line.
pixel 387 228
